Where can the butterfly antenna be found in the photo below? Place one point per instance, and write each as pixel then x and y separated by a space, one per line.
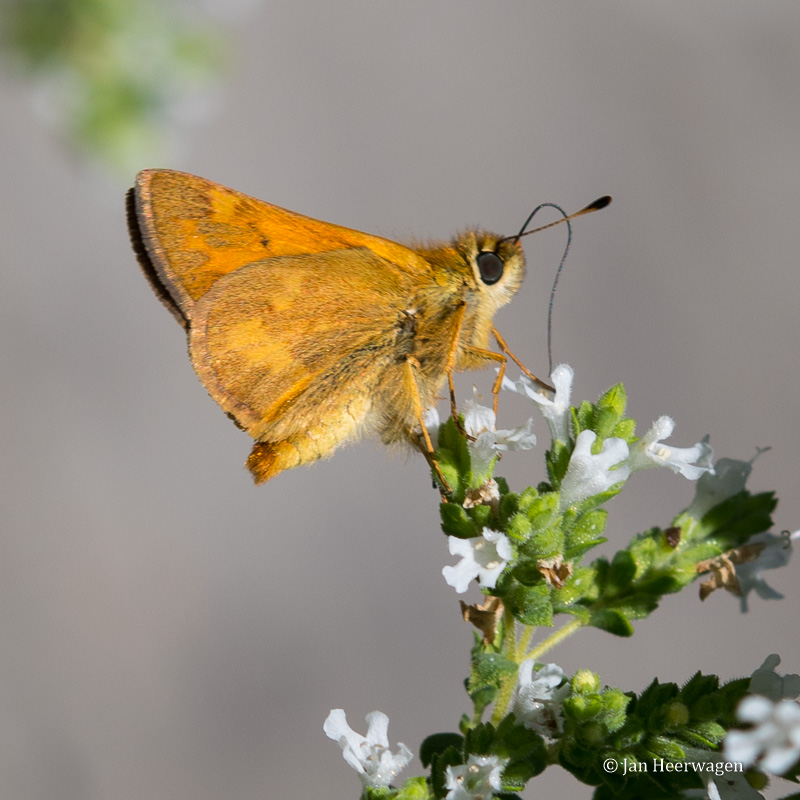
pixel 601 202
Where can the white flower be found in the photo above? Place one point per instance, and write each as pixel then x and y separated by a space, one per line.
pixel 589 474
pixel 730 786
pixel 726 786
pixel 432 421
pixel 368 755
pixel 479 423
pixel 650 452
pixel 765 681
pixel 556 411
pixel 774 739
pixel 478 779
pixel 727 479
pixel 776 553
pixel 721 778
pixel 483 557
pixel 536 702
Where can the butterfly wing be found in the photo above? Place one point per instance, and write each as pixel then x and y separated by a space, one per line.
pixel 281 343
pixel 189 232
pixel 293 322
pixel 295 349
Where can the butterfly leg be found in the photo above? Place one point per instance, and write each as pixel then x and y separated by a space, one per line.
pixel 423 440
pixel 451 362
pixel 490 355
pixel 504 347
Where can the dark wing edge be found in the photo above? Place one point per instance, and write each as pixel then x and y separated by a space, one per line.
pixel 145 263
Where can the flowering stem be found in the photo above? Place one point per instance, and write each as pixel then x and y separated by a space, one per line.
pixel 511 649
pixel 503 699
pixel 510 635
pixel 556 638
pixel 519 653
pixel 524 642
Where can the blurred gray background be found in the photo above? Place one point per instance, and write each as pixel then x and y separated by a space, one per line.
pixel 168 630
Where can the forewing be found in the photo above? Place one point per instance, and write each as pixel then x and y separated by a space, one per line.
pixel 195 232
pixel 293 342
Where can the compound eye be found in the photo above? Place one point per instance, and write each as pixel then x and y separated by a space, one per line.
pixel 490 266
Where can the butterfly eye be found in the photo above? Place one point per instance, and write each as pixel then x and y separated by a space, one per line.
pixel 490 266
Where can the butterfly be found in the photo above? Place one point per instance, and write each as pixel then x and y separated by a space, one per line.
pixel 308 334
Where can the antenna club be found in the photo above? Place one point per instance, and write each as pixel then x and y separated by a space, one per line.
pixel 601 202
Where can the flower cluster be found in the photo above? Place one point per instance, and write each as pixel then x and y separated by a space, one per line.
pixel 773 740
pixel 526 552
pixel 368 755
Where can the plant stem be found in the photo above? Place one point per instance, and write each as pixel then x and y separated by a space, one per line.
pixel 507 686
pixel 524 642
pixel 556 638
pixel 518 654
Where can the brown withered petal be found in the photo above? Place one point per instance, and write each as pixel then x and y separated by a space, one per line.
pixel 724 571
pixel 484 617
pixel 486 495
pixel 555 571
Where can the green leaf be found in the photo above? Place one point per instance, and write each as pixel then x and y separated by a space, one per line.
pixel 480 739
pixel 451 757
pixel 543 511
pixel 586 528
pixel 626 429
pixel 531 605
pixel 557 461
pixel 456 522
pixel 378 793
pixel 698 686
pixel 482 516
pixel 614 400
pixel 525 750
pixel 519 527
pixel 414 789
pixel 544 544
pixel 481 698
pixel 436 744
pixel 712 733
pixel 489 669
pixel 579 612
pixel 604 423
pixel 582 417
pixel 612 621
pixel 662 747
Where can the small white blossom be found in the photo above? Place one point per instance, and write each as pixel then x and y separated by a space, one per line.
pixel 649 451
pixel 767 682
pixel 729 786
pixel 556 411
pixel 478 779
pixel 725 786
pixel 536 702
pixel 479 423
pixel 589 474
pixel 432 421
pixel 721 782
pixel 368 755
pixel 774 739
pixel 483 557
pixel 727 479
pixel 776 553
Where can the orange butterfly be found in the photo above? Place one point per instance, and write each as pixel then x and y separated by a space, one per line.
pixel 308 334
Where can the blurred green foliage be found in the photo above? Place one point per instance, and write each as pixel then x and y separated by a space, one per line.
pixel 117 78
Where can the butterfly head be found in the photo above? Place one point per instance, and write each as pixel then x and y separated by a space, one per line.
pixel 497 266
